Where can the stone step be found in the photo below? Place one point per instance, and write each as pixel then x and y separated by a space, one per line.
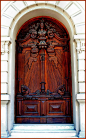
pixel 43 135
pixel 43 126
pixel 43 130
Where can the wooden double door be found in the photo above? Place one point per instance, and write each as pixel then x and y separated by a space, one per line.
pixel 43 73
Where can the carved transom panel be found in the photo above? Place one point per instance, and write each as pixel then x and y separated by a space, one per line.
pixel 42 33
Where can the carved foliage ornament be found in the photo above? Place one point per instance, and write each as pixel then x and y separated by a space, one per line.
pixel 25 91
pixel 42 34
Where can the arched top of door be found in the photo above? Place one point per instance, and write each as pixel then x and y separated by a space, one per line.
pixel 42 31
pixel 50 23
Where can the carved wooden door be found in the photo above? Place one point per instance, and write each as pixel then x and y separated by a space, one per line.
pixel 43 73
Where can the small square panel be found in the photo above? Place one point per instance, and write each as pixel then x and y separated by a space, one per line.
pixel 56 107
pixel 31 107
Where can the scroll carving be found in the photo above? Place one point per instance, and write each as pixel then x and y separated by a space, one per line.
pixel 54 58
pixel 61 89
pixel 43 34
pixel 42 31
pixel 31 59
pixel 34 53
pixel 26 92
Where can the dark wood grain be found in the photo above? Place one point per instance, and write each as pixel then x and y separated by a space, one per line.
pixel 43 73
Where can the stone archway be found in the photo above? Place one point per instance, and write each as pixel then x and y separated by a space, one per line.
pixel 56 15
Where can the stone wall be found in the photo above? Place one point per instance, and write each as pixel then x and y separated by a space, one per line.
pixel 13 15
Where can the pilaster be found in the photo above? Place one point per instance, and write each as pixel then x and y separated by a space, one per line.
pixel 5 98
pixel 81 99
pixel 80 96
pixel 4 102
pixel 5 43
pixel 80 48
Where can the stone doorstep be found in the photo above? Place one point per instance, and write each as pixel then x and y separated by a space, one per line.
pixel 42 127
pixel 43 130
pixel 43 135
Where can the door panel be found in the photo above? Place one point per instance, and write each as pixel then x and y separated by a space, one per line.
pixel 56 107
pixel 31 107
pixel 55 70
pixel 43 73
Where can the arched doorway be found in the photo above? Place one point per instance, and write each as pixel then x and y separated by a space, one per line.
pixel 43 72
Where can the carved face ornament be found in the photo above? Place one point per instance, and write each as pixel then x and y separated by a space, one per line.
pixel 50 33
pixel 34 34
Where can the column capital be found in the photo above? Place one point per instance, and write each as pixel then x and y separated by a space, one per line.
pixel 5 42
pixel 80 40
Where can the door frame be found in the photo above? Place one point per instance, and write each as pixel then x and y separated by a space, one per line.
pixel 19 20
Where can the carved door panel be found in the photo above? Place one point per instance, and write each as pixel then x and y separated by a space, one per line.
pixel 43 75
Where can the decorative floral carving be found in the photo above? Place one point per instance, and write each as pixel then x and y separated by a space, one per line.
pixel 61 89
pixel 43 32
pixel 25 90
pixel 33 34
